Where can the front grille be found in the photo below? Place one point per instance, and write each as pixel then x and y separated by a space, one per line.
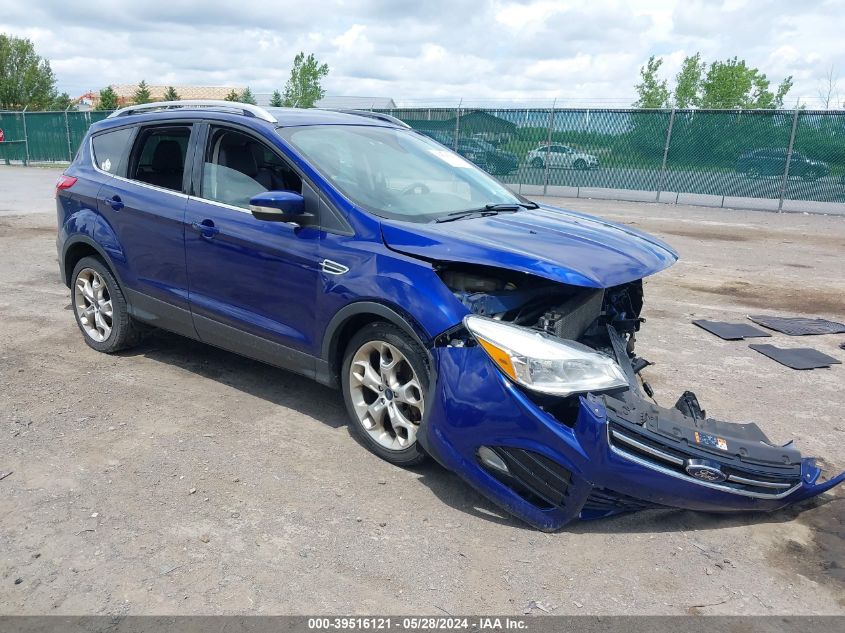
pixel 638 445
pixel 602 500
pixel 536 478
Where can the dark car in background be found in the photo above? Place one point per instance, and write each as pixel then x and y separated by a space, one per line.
pixel 481 153
pixel 771 161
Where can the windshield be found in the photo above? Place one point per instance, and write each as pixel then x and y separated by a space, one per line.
pixel 396 173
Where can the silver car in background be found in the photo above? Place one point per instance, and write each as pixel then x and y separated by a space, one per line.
pixel 560 156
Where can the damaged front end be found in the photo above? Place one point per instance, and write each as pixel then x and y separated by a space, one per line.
pixel 539 404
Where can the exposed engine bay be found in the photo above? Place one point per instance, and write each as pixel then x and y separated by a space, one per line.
pixel 567 312
pixel 737 458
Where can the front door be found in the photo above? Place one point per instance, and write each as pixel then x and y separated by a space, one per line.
pixel 252 284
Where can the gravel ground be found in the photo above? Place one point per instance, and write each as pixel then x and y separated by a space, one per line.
pixel 180 479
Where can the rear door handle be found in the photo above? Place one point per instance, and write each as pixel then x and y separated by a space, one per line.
pixel 206 228
pixel 114 202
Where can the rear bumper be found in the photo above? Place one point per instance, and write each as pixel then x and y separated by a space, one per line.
pixel 560 472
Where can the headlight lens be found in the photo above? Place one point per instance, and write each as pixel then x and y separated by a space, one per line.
pixel 543 363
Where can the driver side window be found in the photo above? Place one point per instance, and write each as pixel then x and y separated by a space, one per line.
pixel 237 167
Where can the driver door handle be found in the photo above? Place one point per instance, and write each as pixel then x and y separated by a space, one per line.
pixel 205 228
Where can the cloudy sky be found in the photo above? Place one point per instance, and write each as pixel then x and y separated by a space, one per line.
pixel 437 51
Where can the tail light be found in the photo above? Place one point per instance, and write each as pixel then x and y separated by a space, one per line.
pixel 64 182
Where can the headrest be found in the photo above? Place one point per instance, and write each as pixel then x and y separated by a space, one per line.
pixel 167 156
pixel 240 158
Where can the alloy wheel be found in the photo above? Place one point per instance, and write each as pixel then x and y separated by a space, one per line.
pixel 93 304
pixel 386 394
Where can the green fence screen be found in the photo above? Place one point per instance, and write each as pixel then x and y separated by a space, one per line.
pixel 44 136
pixel 769 155
pixel 775 155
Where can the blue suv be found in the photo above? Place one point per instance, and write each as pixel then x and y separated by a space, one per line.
pixel 460 320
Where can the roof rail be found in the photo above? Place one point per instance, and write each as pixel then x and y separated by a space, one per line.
pixel 376 115
pixel 244 108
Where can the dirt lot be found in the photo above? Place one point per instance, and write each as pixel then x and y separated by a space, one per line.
pixel 290 515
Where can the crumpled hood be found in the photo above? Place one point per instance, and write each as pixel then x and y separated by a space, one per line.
pixel 565 246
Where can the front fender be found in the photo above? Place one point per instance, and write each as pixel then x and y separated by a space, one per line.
pixel 397 288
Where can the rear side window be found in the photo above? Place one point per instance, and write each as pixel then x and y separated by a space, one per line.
pixel 109 149
pixel 158 157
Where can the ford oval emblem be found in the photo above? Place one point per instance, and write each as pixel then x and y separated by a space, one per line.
pixel 705 470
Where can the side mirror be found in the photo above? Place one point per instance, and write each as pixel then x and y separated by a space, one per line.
pixel 280 206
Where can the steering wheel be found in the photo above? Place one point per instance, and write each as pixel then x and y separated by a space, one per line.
pixel 418 188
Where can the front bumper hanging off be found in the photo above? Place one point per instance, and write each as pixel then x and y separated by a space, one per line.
pixel 605 455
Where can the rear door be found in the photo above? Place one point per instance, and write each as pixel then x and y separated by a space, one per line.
pixel 107 151
pixel 253 284
pixel 145 204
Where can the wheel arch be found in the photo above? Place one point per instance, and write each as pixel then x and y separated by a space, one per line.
pixel 351 318
pixel 79 246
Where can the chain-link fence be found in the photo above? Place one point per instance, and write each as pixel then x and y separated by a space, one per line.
pixel 737 157
pixel 44 136
pixel 674 155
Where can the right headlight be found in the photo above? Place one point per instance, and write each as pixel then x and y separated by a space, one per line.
pixel 544 363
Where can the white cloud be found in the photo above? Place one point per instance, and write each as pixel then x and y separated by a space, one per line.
pixel 438 50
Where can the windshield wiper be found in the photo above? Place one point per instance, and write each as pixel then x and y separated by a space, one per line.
pixel 485 211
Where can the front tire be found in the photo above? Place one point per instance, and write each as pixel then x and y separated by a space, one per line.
pixel 580 164
pixel 537 162
pixel 385 379
pixel 100 308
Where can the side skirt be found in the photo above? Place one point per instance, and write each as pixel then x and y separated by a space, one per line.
pixel 180 321
pixel 160 314
pixel 255 347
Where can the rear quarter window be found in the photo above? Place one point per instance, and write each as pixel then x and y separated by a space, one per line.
pixel 110 148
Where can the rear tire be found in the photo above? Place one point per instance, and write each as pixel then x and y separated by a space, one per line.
pixel 100 308
pixel 385 379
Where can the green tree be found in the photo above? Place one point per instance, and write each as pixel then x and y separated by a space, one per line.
pixel 142 94
pixel 62 102
pixel 108 99
pixel 232 96
pixel 276 100
pixel 247 97
pixel 26 78
pixel 780 94
pixel 652 92
pixel 170 94
pixel 734 84
pixel 688 82
pixel 304 88
pixel 719 85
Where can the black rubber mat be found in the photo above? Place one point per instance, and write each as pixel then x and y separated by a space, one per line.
pixel 798 326
pixel 730 331
pixel 796 357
